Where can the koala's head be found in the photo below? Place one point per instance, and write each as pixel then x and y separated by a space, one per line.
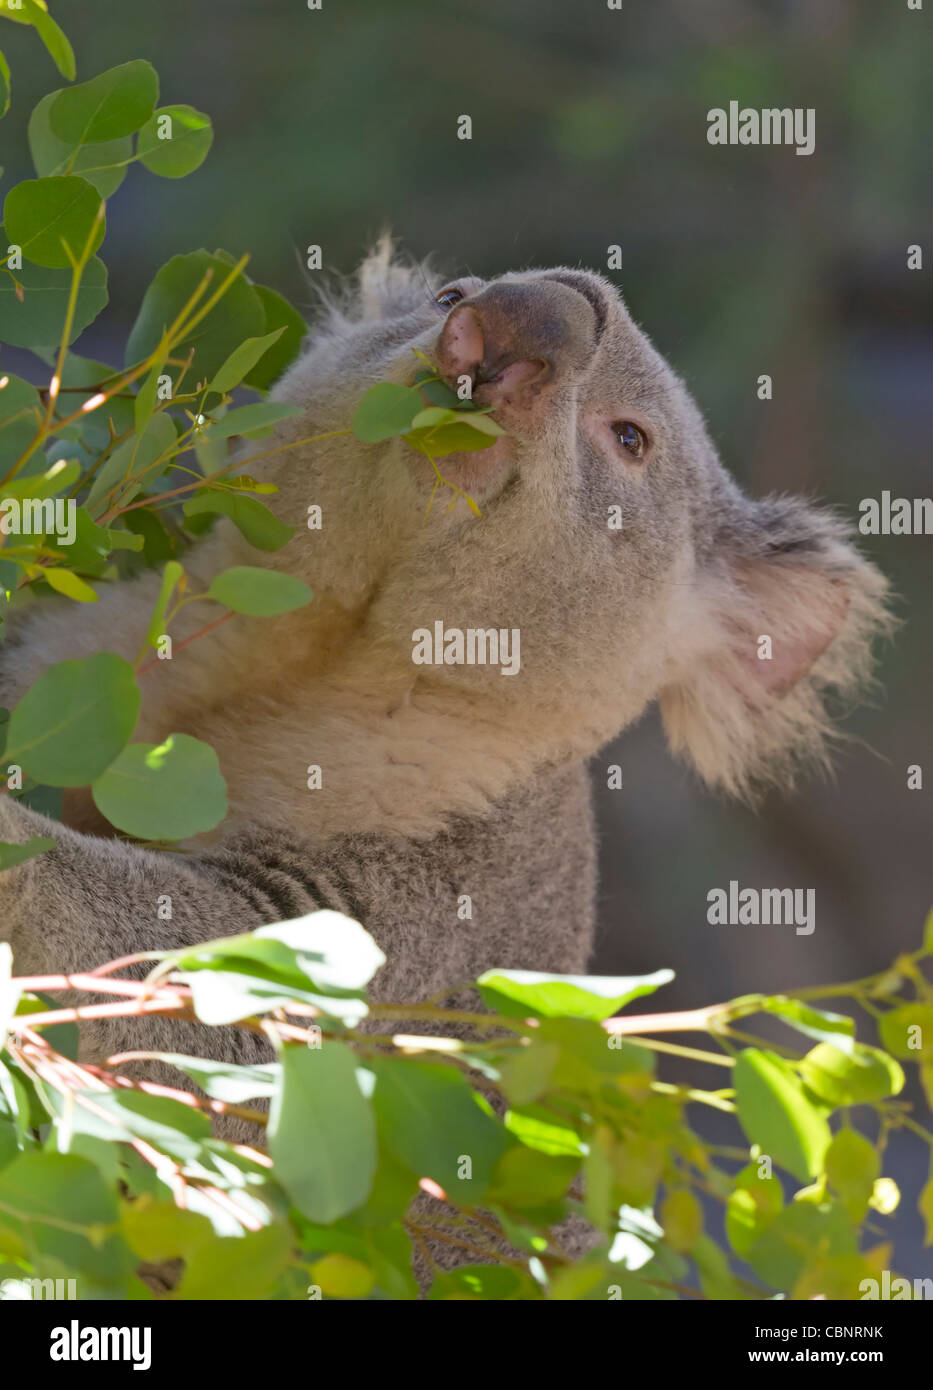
pixel 610 536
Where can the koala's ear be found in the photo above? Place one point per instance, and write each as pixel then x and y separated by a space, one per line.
pixel 388 286
pixel 780 620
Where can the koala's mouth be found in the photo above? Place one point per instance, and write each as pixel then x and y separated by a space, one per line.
pixel 496 385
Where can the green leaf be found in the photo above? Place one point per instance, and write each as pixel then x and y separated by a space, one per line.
pixel 253 519
pixel 341 1276
pixel 249 420
pixel 544 1130
pixel 437 432
pixel 242 361
pixel 852 1165
pixel 225 1080
pixel 385 411
pixel 244 1268
pixel 320 1100
pixel 588 1054
pixel 839 1078
pixel 172 573
pixel 108 107
pixel 258 592
pixel 790 1241
pixel 74 720
pixel 103 165
pixel 65 1212
pixel 324 949
pixel 237 315
pixel 170 791
pixel 775 1113
pixel 925 1208
pixel 121 478
pixel 429 1119
pixel 4 85
pixel 324 959
pixel 527 1073
pixel 174 1128
pixel 67 582
pixel 928 934
pixel 62 475
pixel 93 544
pixel 751 1207
pixel 158 1231
pixel 481 1283
pixel 530 994
pixel 907 1031
pixel 64 1037
pixel 837 1029
pixel 527 1177
pixel 11 855
pixel 682 1219
pixel 279 314
pixel 38 319
pixel 174 141
pixel 19 404
pixel 52 36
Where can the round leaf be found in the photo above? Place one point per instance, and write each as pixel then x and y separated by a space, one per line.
pixel 258 592
pixel 340 1276
pixel 322 1136
pixel 841 1078
pixel 174 141
pixel 168 791
pixel 103 165
pixel 238 314
pixel 46 216
pixel 279 314
pixel 37 319
pixel 775 1113
pixel 19 403
pixel 114 104
pixel 385 411
pixel 75 719
pixel 261 527
pixel 907 1031
pixel 428 1117
pixel 852 1165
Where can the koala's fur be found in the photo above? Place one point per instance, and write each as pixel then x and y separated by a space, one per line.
pixel 448 780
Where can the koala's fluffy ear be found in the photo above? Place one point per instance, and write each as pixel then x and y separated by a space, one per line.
pixel 389 286
pixel 780 621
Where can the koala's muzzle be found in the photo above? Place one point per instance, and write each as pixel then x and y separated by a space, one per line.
pixel 515 338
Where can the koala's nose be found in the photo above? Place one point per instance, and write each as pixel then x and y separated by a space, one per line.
pixel 515 338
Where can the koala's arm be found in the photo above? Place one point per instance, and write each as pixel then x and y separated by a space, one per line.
pixel 90 900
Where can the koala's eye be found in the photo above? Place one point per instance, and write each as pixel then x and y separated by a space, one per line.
pixel 448 298
pixel 632 439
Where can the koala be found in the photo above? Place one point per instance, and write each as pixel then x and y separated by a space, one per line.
pixel 609 536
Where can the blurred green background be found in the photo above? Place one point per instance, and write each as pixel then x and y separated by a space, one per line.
pixel 589 129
